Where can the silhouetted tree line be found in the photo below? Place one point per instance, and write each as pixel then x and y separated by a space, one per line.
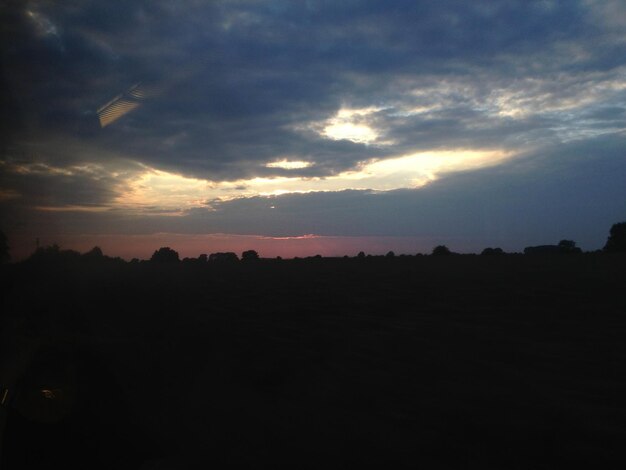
pixel 225 257
pixel 565 247
pixel 167 255
pixel 492 252
pixel 616 243
pixel 54 254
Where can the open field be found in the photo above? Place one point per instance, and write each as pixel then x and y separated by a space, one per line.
pixel 449 362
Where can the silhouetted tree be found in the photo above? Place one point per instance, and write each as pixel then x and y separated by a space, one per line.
pixel 228 256
pixel 568 246
pixel 361 254
pixel 617 239
pixel 54 255
pixel 50 250
pixel 441 250
pixel 94 253
pixel 390 254
pixel 492 252
pixel 165 255
pixel 249 255
pixel 4 249
pixel 542 250
pixel 203 258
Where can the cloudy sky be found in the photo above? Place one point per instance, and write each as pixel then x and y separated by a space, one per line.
pixel 305 127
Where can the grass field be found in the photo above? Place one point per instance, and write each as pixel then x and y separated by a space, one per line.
pixel 441 362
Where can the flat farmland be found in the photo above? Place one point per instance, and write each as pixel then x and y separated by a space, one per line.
pixel 448 362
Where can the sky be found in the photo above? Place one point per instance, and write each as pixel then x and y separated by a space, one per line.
pixel 311 127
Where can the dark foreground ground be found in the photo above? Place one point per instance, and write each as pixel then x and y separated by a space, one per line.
pixel 451 362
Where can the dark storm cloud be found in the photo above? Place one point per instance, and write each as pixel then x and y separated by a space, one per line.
pixel 41 188
pixel 236 77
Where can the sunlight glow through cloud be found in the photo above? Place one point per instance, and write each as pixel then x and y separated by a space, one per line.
pixel 348 131
pixel 351 124
pixel 160 190
pixel 157 191
pixel 288 165
pixel 415 170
